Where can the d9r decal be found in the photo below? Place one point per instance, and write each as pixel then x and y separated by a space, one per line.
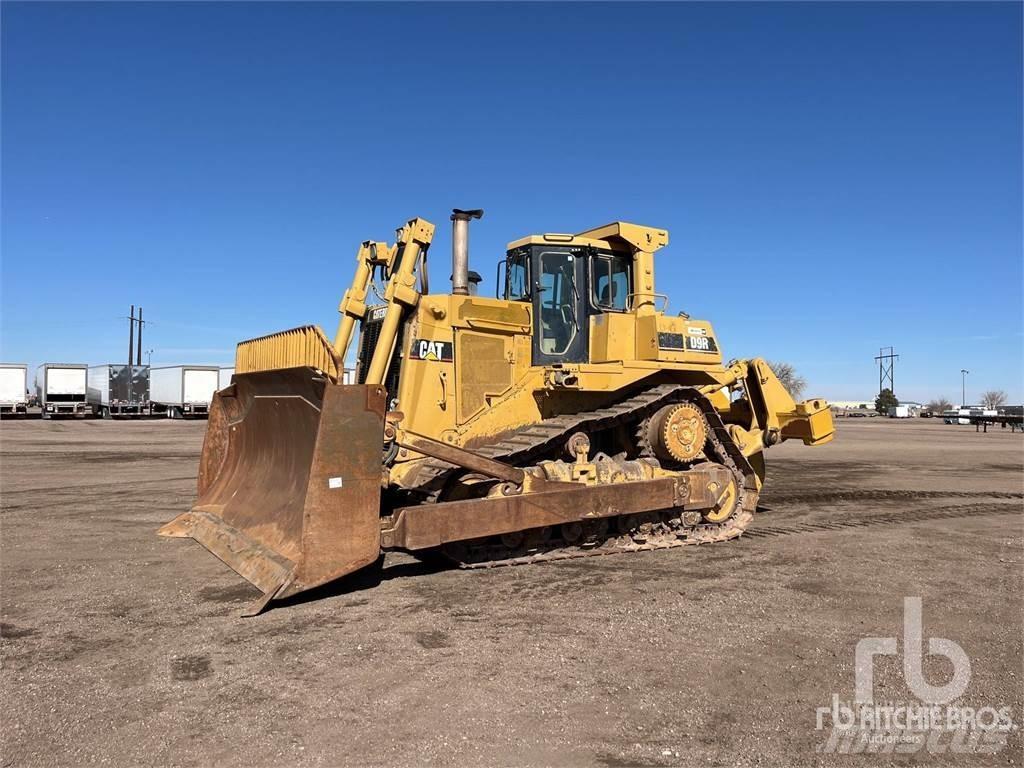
pixel 701 344
pixel 438 351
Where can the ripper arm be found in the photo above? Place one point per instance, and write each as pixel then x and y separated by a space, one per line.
pixel 768 414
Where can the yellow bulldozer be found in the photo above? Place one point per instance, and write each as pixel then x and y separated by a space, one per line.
pixel 569 416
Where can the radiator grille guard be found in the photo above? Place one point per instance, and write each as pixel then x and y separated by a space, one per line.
pixel 369 335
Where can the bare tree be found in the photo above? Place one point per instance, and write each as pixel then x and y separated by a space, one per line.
pixel 939 404
pixel 790 379
pixel 993 398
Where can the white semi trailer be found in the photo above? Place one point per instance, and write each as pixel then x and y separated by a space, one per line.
pixel 183 390
pixel 61 388
pixel 13 389
pixel 225 377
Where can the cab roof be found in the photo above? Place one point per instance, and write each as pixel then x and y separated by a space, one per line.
pixel 617 236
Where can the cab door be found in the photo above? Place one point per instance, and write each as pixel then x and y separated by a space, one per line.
pixel 560 317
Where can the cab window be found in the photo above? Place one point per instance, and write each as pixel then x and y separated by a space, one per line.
pixel 557 302
pixel 611 282
pixel 517 280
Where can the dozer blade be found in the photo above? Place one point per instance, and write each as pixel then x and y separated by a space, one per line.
pixel 289 480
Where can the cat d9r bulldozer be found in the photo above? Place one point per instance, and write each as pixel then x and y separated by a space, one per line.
pixel 570 416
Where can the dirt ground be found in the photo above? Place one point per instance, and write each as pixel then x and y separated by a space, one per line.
pixel 120 647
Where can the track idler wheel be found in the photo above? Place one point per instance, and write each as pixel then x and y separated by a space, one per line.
pixel 728 497
pixel 677 433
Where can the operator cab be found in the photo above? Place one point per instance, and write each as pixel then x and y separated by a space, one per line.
pixel 567 279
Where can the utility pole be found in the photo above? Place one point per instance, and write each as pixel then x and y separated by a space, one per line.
pixel 963 387
pixel 131 336
pixel 886 368
pixel 134 345
pixel 138 355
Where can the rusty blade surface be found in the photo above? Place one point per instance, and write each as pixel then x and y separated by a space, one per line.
pixel 224 408
pixel 341 523
pixel 289 482
pixel 258 564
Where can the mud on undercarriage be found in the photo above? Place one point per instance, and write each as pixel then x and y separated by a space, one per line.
pixel 626 505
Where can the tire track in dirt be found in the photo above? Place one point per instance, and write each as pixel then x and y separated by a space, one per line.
pixel 120 484
pixel 856 494
pixel 887 518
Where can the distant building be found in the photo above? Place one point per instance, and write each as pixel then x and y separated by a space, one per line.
pixel 842 407
pixel 866 405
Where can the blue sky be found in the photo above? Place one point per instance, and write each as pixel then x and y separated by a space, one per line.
pixel 827 172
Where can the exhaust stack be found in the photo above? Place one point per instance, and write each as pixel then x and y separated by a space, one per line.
pixel 460 249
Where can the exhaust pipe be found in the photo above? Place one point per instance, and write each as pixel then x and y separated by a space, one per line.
pixel 460 249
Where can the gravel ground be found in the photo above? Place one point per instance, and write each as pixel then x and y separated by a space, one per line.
pixel 121 647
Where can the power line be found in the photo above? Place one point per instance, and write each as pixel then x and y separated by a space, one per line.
pixel 886 368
